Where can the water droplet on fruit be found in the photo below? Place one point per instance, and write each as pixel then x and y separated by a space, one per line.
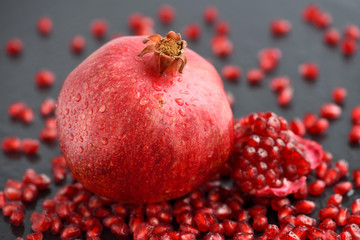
pixel 81 149
pixel 102 108
pixel 81 139
pixel 179 101
pixel 210 154
pixel 184 92
pixel 86 86
pixel 67 111
pixel 102 125
pixel 82 116
pixel 179 79
pixel 182 112
pixel 145 148
pixel 156 86
pixel 143 101
pixel 86 105
pixel 71 136
pixel 104 141
pixel 77 97
pixel 167 130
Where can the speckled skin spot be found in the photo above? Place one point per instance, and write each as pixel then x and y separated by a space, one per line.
pixel 129 141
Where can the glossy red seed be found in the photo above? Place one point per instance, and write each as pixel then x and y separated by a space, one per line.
pixel 339 95
pixel 349 47
pixel 355 207
pixel 327 157
pixel 309 12
pixel 278 84
pixel 297 127
pixel 221 46
pixel 332 176
pixel 47 107
pixel 213 236
pixel 356 177
pixel 309 71
pixel 29 193
pixel 2 199
pixel 305 206
pixel 166 14
pixel 320 126
pixel 322 20
pixel 316 233
pixel 255 76
pixel 332 37
pixel 11 145
pixel 94 231
pixel 40 222
pixel 210 14
pixel 260 223
pixel 70 231
pixel 317 187
pixel 192 31
pixel 309 120
pixel 330 111
pixel 44 78
pixel 271 231
pixel 329 211
pixel 12 194
pixel 142 231
pixel 354 135
pixel 354 219
pixel 222 28
pixel 355 114
pixel 77 44
pixel 48 134
pixel 280 27
pixel 231 73
pixel 285 97
pixel 99 28
pixel 27 116
pixel 343 166
pixel 243 236
pixel 14 47
pixel 335 199
pixel 345 235
pixel 269 58
pixel 30 146
pixel 352 31
pixel 45 25
pixel 17 217
pixel 327 223
pixel 353 229
pixel 303 220
pixel 42 182
pixel 16 108
pixel 257 210
pixel 34 236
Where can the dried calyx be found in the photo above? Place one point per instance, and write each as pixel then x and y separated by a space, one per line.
pixel 169 51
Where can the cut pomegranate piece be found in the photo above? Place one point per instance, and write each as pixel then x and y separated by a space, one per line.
pixel 267 167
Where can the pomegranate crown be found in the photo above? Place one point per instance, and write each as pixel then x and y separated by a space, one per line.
pixel 169 50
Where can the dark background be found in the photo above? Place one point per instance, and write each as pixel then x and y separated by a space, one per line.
pixel 249 22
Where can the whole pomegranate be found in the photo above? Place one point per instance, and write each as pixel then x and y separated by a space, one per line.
pixel 134 129
pixel 268 159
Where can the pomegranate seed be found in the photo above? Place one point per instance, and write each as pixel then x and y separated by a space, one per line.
pixel 48 134
pixel 309 71
pixel 166 14
pixel 269 58
pixel 99 28
pixel 355 114
pixel 354 219
pixel 349 47
pixel 29 176
pixel 335 200
pixel 355 207
pixel 286 229
pixel 317 187
pixel 322 20
pixel 332 176
pixel 231 73
pixel 29 193
pixel 16 108
pixel 342 216
pixel 255 76
pixel 12 194
pixel 27 116
pixel 285 96
pixel 316 233
pixel 142 231
pixel 2 199
pixel 301 193
pixel 271 231
pixel 343 167
pixel 243 236
pixel 327 157
pixel 297 127
pixel 45 25
pixel 213 236
pixel 278 84
pixel 352 31
pixel 280 27
pixel 47 107
pixel 279 203
pixel 309 120
pixel 70 231
pixel 42 182
pixel 77 44
pixel 353 229
pixel 30 146
pixel 257 210
pixel 221 46
pixel 14 47
pixel 339 95
pixel 210 14
pixel 320 126
pixel 305 206
pixel 44 78
pixel 345 235
pixel 94 231
pixel 329 211
pixel 34 236
pixel 17 217
pixel 192 31
pixel 332 37
pixel 327 223
pixel 260 223
pixel 187 236
pixel 229 227
pixel 222 28
pixel 330 111
pixel 56 224
pixel 303 220
pixel 356 176
pixel 40 222
pixel 285 212
pixel 11 145
pixel 309 13
pixel 354 135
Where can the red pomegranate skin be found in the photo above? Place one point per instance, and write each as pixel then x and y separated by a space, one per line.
pixel 135 136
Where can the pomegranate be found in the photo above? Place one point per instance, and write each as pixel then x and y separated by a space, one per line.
pixel 133 129
pixel 268 159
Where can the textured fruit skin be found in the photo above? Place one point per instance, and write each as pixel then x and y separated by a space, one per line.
pixel 133 135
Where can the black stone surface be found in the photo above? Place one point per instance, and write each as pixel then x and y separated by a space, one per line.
pixel 249 22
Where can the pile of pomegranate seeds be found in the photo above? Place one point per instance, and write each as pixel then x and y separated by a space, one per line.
pixel 229 206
